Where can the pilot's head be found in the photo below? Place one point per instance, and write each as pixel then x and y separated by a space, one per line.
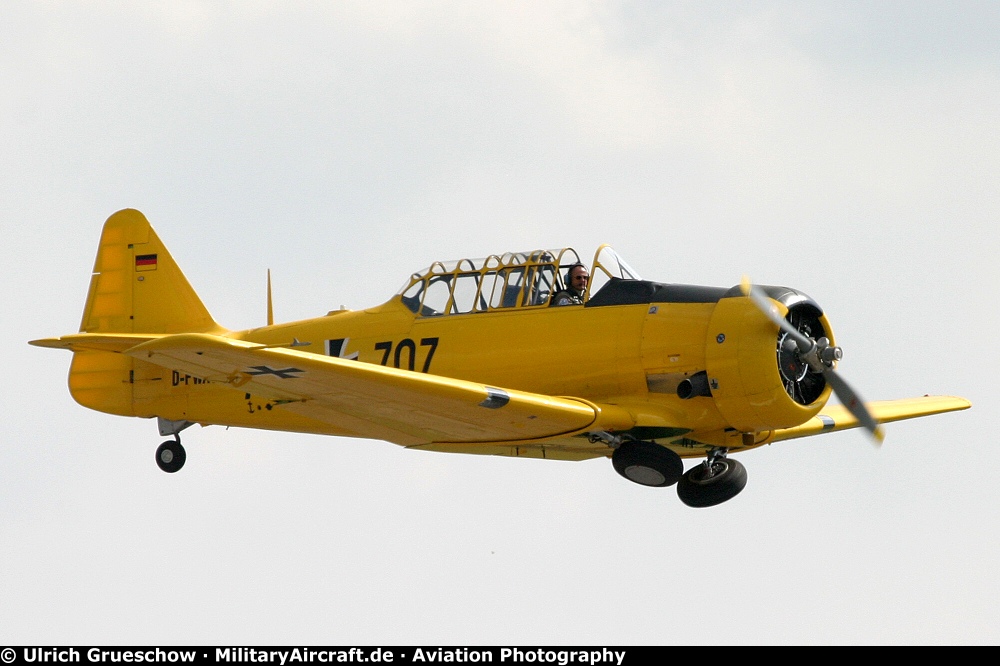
pixel 577 277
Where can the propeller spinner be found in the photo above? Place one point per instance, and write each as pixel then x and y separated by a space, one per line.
pixel 819 355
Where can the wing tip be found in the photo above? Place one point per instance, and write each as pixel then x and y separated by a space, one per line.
pixel 53 343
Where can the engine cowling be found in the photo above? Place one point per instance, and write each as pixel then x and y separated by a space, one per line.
pixel 756 380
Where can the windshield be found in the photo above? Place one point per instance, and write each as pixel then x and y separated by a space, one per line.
pixel 607 265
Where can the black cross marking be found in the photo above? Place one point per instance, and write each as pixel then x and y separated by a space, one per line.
pixel 286 373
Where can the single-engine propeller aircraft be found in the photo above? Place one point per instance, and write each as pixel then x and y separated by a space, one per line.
pixel 469 357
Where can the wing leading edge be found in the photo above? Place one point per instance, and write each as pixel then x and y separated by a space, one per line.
pixel 401 406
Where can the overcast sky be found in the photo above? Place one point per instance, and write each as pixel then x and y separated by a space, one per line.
pixel 848 149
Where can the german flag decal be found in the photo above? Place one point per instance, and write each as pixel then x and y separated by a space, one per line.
pixel 145 262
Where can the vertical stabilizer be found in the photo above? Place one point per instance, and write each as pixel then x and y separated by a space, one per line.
pixel 136 287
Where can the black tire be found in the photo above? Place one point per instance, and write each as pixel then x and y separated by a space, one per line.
pixel 170 456
pixel 697 489
pixel 647 464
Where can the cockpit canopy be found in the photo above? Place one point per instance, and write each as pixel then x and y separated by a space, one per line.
pixel 510 280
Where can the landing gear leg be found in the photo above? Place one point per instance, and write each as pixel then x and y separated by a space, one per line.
pixel 712 482
pixel 170 455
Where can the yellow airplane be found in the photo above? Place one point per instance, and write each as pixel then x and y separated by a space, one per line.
pixel 470 357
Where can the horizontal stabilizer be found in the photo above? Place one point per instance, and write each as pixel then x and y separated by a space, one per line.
pixel 109 342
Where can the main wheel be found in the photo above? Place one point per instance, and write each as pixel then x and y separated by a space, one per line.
pixel 647 464
pixel 170 456
pixel 702 487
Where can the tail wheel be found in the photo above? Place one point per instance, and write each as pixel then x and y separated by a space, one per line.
pixel 712 482
pixel 647 464
pixel 170 456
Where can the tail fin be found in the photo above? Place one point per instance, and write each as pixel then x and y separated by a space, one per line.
pixel 137 287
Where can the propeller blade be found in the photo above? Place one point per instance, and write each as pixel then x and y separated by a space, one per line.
pixel 855 405
pixel 847 395
pixel 767 306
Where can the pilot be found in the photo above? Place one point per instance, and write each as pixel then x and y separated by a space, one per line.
pixel 576 285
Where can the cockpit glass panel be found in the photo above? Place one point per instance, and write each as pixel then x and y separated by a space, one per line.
pixel 539 284
pixel 489 278
pixel 412 294
pixel 507 288
pixel 465 293
pixel 436 296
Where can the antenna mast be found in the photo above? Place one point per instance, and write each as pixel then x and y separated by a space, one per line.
pixel 270 307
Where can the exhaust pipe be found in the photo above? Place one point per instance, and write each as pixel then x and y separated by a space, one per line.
pixel 695 386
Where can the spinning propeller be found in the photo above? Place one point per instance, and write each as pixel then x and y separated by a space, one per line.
pixel 818 355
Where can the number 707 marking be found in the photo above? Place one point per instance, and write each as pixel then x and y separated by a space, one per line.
pixel 409 347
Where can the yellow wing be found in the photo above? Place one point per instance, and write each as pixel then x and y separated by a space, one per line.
pixel 836 417
pixel 401 406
